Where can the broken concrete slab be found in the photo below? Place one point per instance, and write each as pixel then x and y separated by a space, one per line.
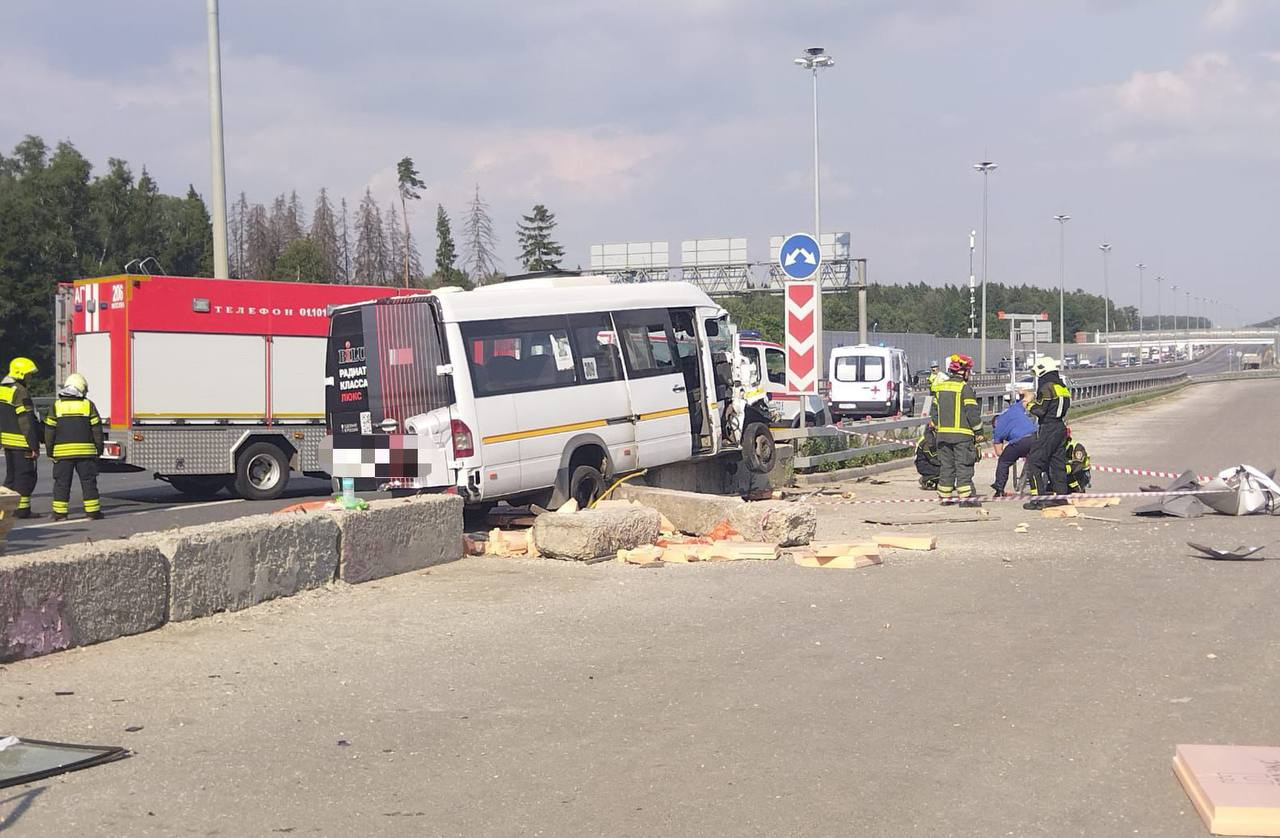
pixel 80 594
pixel 231 565
pixel 399 535
pixel 691 512
pixel 591 533
pixel 786 523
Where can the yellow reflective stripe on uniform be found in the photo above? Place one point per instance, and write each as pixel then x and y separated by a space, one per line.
pixel 9 440
pixel 951 424
pixel 6 394
pixel 74 449
pixel 19 408
pixel 71 407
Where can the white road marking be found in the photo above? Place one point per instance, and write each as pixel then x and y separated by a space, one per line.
pixel 80 519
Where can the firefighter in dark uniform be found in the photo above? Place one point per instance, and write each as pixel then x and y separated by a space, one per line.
pixel 958 420
pixel 1047 462
pixel 73 435
pixel 19 433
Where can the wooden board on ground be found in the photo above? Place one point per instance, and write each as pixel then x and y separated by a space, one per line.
pixel 1236 789
pixel 736 551
pixel 643 555
pixel 903 541
pixel 1097 502
pixel 1059 512
pixel 851 560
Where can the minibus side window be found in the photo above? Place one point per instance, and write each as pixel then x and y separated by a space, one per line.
pixel 519 354
pixel 596 344
pixel 647 343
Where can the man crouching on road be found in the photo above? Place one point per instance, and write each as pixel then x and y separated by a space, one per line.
pixel 958 420
pixel 1014 434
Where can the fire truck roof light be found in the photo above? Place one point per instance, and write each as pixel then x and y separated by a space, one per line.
pixel 200 304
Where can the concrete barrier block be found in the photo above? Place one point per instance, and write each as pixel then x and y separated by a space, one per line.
pixel 232 565
pixel 589 533
pixel 80 594
pixel 399 535
pixel 8 506
pixel 785 523
pixel 691 512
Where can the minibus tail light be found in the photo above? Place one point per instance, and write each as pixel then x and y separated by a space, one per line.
pixel 463 443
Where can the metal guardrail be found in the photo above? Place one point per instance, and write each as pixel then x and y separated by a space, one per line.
pixel 1084 393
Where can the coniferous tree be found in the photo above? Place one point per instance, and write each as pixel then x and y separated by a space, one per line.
pixel 145 225
pixel 236 225
pixel 187 249
pixel 324 235
pixel 395 247
pixel 410 187
pixel 538 251
pixel 110 196
pixel 260 246
pixel 370 265
pixel 480 243
pixel 344 244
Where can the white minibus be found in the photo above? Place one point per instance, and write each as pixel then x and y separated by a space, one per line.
pixel 540 389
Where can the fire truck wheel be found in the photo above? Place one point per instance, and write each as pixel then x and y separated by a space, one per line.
pixel 757 447
pixel 199 486
pixel 262 472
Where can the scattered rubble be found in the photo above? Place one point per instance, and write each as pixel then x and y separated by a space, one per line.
pixel 907 542
pixel 1241 553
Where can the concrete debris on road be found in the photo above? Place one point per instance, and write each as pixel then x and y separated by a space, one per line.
pixel 591 533
pixel 1059 512
pixel 837 556
pixel 907 542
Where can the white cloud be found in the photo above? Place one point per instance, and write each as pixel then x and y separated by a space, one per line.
pixel 1224 14
pixel 1212 106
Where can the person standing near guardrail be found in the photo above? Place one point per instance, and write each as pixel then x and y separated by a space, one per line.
pixel 19 433
pixel 1047 462
pixel 958 420
pixel 73 435
pixel 1014 432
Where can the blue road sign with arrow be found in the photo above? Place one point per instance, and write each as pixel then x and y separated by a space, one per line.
pixel 800 256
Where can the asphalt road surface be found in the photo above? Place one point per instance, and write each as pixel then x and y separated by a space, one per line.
pixel 1005 684
pixel 136 502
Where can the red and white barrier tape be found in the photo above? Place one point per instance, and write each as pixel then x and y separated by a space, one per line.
pixel 992 455
pixel 1024 498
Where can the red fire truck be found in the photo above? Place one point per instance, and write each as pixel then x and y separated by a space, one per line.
pixel 207 383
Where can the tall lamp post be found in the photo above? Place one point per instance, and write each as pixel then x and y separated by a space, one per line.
pixel 1106 301
pixel 1187 317
pixel 986 167
pixel 1159 322
pixel 216 156
pixel 813 60
pixel 973 327
pixel 1174 340
pixel 1142 349
pixel 1062 220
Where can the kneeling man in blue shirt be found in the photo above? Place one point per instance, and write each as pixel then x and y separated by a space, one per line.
pixel 1015 432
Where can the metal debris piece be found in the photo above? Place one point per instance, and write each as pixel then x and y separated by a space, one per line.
pixel 1239 554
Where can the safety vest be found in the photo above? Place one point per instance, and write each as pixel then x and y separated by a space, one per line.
pixel 71 429
pixel 1054 404
pixel 14 403
pixel 955 409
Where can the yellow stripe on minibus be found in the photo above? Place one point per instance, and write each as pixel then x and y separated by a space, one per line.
pixel 663 414
pixel 554 429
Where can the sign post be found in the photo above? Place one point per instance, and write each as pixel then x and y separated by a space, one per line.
pixel 800 257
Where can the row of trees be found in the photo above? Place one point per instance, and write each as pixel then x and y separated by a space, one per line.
pixel 944 310
pixel 59 222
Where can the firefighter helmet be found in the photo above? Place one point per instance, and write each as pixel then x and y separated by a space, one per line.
pixel 959 363
pixel 77 381
pixel 1044 366
pixel 21 367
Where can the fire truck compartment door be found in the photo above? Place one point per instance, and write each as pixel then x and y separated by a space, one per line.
pixel 297 377
pixel 199 376
pixel 92 359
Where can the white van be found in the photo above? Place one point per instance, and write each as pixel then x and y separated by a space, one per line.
pixel 767 369
pixel 870 381
pixel 540 388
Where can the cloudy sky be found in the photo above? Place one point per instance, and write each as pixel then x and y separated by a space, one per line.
pixel 1154 123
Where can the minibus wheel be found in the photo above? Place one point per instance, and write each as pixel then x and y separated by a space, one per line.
pixel 585 485
pixel 757 447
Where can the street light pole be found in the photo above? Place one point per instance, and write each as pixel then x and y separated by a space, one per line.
pixel 1159 321
pixel 815 59
pixel 1142 349
pixel 216 155
pixel 973 327
pixel 986 167
pixel 1062 220
pixel 1106 301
